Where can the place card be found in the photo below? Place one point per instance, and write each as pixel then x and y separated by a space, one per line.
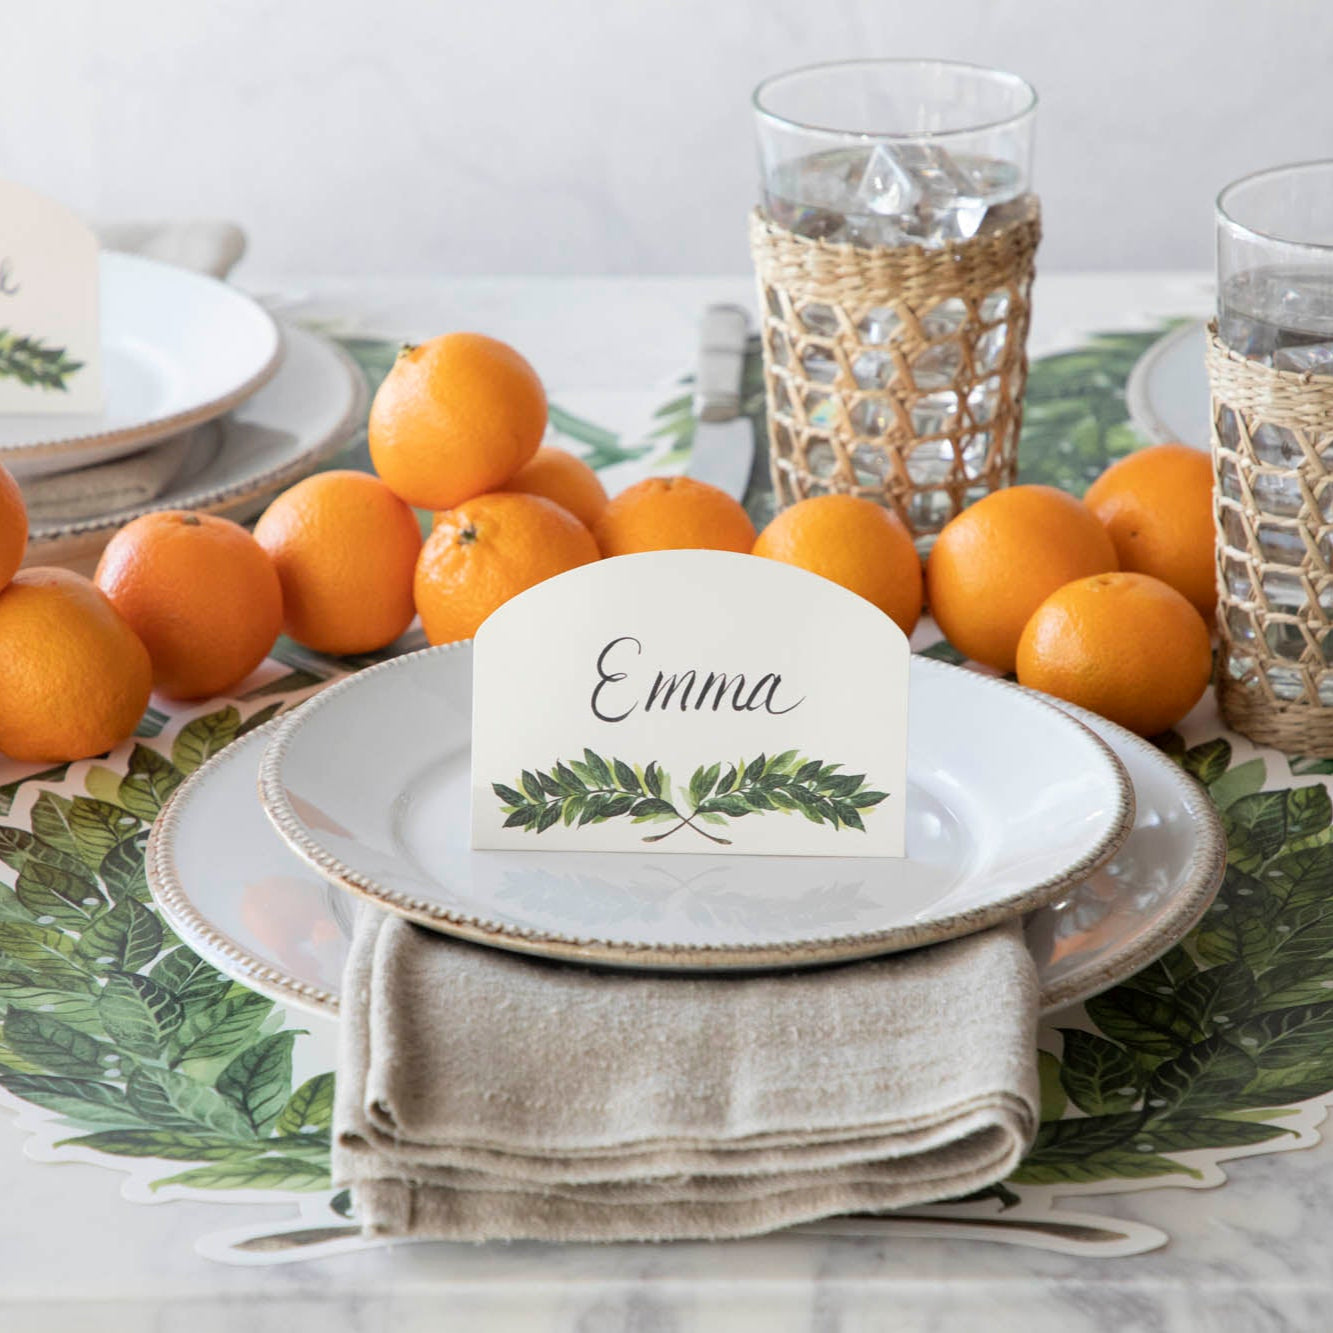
pixel 50 335
pixel 690 702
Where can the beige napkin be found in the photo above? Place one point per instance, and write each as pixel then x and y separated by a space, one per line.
pixel 123 483
pixel 207 246
pixel 484 1095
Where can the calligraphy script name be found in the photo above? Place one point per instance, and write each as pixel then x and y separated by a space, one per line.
pixel 687 691
pixel 9 284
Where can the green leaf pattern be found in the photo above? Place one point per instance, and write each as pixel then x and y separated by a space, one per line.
pixel 141 1048
pixel 592 790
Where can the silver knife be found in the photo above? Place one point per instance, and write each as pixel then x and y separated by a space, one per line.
pixel 723 450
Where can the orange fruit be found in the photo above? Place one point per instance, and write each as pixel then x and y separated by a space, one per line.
pixel 673 514
pixel 854 542
pixel 200 592
pixel 561 477
pixel 1127 646
pixel 13 526
pixel 345 548
pixel 455 416
pixel 1157 504
pixel 997 561
pixel 489 550
pixel 74 678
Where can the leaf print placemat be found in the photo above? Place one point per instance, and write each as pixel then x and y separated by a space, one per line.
pixel 119 1046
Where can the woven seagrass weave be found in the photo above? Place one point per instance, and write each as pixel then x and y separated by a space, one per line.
pixel 896 372
pixel 1272 437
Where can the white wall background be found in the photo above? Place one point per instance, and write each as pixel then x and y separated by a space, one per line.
pixel 613 136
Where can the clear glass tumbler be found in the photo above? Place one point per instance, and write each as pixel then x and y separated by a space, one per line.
pixel 894 254
pixel 1275 512
pixel 893 152
pixel 1275 266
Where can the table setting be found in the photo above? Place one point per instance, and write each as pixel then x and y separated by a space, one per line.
pixel 856 790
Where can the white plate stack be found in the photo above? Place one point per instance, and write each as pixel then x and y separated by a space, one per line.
pixel 218 405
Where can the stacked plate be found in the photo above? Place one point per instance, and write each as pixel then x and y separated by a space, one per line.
pixel 225 405
pixel 1015 808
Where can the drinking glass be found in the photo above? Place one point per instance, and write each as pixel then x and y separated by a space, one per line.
pixel 894 251
pixel 1275 266
pixel 1273 434
pixel 893 152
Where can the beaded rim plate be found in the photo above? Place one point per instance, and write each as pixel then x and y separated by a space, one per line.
pixel 243 900
pixel 1167 391
pixel 178 348
pixel 370 782
pixel 303 415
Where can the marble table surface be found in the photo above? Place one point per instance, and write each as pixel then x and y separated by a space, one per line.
pixel 1252 1255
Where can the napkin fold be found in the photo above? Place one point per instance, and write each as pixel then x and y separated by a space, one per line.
pixel 122 483
pixel 209 246
pixel 486 1095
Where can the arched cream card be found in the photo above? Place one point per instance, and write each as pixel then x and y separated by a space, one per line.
pixel 690 701
pixel 50 336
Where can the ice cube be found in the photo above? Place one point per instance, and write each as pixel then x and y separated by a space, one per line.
pixel 1312 359
pixel 936 367
pixel 932 414
pixel 877 325
pixel 818 408
pixel 1280 545
pixel 1285 682
pixel 819 365
pixel 871 418
pixel 873 370
pixel 819 319
pixel 981 399
pixel 1276 444
pixel 1239 625
pixel 821 459
pixel 1284 591
pixel 990 349
pixel 930 462
pixel 975 450
pixel 871 465
pixel 1238 580
pixel 889 186
pixel 1276 494
pixel 944 319
pixel 995 306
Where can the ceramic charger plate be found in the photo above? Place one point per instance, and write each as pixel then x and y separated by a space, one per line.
pixel 234 464
pixel 1167 391
pixel 178 348
pixel 242 899
pixel 1009 804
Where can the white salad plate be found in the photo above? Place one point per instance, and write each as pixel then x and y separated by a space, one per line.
pixel 304 414
pixel 1009 803
pixel 178 348
pixel 242 899
pixel 1167 391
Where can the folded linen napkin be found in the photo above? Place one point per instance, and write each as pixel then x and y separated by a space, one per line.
pixel 484 1095
pixel 208 246
pixel 123 483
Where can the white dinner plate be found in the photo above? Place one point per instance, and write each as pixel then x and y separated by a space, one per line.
pixel 178 348
pixel 241 898
pixel 1009 803
pixel 1167 391
pixel 304 414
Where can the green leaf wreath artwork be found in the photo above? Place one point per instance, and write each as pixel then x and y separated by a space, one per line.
pixel 32 364
pixel 592 790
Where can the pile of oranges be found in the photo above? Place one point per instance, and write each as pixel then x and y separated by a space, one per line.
pixel 1103 603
